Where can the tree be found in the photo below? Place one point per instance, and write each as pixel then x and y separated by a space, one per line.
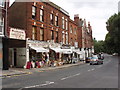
pixel 99 46
pixel 112 40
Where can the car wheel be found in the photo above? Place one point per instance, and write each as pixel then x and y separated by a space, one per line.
pixel 90 63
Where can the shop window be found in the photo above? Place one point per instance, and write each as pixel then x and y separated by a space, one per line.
pixel 56 20
pixel 34 33
pixel 51 19
pixel 1 25
pixel 41 34
pixel 41 15
pixel 52 35
pixel 33 12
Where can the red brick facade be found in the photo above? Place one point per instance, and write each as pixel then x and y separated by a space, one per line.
pixel 84 35
pixel 73 33
pixel 56 24
pixel 23 19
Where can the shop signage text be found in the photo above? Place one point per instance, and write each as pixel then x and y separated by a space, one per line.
pixel 17 33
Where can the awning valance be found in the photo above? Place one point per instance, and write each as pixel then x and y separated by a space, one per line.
pixel 77 51
pixel 64 51
pixel 39 49
pixel 67 51
pixel 57 50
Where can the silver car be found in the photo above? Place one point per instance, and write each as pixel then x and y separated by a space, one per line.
pixel 95 60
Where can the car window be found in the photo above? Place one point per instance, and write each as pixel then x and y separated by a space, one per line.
pixel 94 58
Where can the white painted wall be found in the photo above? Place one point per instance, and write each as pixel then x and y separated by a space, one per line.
pixel 21 57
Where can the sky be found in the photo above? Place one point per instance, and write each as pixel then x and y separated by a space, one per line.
pixel 97 12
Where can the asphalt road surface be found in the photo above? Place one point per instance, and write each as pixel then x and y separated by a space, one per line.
pixel 81 76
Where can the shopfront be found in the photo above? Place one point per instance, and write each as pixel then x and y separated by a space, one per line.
pixel 16 48
pixel 37 51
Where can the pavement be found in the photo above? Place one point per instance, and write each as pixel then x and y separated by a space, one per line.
pixel 22 71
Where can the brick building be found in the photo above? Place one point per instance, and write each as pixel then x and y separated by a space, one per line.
pixel 49 26
pixel 42 20
pixel 85 40
pixel 73 32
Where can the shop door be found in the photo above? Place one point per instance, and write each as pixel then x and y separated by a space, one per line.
pixel 15 58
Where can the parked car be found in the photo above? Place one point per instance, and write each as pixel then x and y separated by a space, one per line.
pixel 100 56
pixel 87 60
pixel 95 60
pixel 115 54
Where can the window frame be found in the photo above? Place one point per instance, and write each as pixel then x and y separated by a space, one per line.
pixel 42 35
pixel 2 25
pixel 34 33
pixel 33 12
pixel 42 15
pixel 51 18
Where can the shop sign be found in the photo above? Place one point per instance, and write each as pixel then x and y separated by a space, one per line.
pixel 35 43
pixel 17 34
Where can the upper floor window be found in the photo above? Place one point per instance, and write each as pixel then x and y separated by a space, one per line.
pixel 63 38
pixel 1 26
pixel 41 15
pixel 51 19
pixel 66 24
pixel 33 12
pixel 63 22
pixel 66 38
pixel 56 37
pixel 71 28
pixel 52 34
pixel 56 20
pixel 34 33
pixel 41 34
pixel 75 30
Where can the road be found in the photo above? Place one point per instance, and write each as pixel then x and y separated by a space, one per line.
pixel 81 76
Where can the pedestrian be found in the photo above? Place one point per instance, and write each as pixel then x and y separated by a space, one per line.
pixel 33 64
pixel 29 65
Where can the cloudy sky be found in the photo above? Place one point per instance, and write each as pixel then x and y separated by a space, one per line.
pixel 95 11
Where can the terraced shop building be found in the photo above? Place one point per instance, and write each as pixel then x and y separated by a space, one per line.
pixel 42 21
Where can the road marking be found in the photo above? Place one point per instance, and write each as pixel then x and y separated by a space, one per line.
pixel 91 69
pixel 47 83
pixel 70 76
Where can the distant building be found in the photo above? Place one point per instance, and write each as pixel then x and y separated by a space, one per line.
pixel 85 40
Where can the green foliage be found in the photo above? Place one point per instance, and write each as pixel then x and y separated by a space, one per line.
pixel 99 46
pixel 112 40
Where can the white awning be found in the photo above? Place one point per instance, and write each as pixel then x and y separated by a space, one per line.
pixel 57 50
pixel 39 49
pixel 77 51
pixel 67 51
pixel 64 51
